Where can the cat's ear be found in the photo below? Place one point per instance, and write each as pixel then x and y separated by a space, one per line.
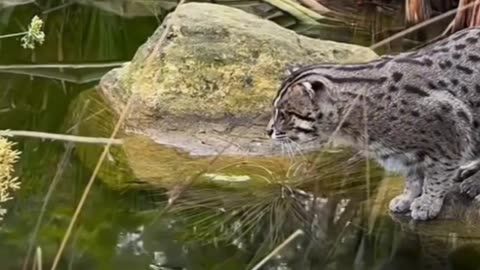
pixel 318 91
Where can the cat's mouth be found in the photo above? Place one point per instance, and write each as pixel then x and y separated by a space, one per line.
pixel 282 137
pixel 286 137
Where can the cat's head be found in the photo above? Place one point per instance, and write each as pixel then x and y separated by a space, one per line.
pixel 304 109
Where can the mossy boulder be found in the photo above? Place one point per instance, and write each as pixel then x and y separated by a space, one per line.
pixel 207 89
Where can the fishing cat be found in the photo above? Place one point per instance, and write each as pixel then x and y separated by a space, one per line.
pixel 420 110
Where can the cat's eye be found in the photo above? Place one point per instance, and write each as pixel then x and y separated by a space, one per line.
pixel 302 117
pixel 285 114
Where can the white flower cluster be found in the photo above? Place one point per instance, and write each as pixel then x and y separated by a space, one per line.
pixel 8 183
pixel 34 34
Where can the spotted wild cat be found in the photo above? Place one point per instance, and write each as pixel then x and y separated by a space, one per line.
pixel 423 115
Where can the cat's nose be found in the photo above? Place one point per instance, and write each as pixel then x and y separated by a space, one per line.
pixel 269 132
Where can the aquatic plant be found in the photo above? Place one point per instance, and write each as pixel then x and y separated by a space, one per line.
pixel 34 34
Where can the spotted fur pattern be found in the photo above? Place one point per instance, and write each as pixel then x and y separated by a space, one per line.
pixel 422 108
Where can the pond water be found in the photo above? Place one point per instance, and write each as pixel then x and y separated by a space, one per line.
pixel 130 229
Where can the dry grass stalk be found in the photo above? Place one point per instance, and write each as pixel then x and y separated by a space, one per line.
pixel 8 183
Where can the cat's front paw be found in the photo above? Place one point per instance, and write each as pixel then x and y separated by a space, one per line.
pixel 400 204
pixel 470 187
pixel 426 208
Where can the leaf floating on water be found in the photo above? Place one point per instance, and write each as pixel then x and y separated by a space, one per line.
pixel 227 178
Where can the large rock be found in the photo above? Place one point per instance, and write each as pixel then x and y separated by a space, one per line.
pixel 208 88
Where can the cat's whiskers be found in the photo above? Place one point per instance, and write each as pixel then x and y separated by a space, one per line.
pixel 289 150
pixel 297 147
pixel 282 148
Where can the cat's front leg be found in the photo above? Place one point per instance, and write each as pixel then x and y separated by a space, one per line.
pixel 413 189
pixel 438 181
